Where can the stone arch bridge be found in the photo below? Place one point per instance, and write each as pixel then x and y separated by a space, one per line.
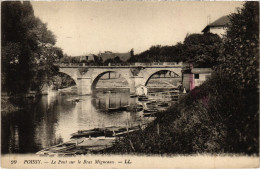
pixel 86 77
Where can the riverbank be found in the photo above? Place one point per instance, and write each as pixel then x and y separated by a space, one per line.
pixel 179 130
pixel 185 128
pixel 201 122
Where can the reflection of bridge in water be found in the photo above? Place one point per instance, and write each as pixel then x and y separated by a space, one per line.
pixel 86 77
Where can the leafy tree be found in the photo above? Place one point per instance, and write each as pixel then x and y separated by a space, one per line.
pixel 114 60
pixel 28 50
pixel 238 74
pixel 97 59
pixel 240 57
pixel 132 52
pixel 13 51
pixel 202 49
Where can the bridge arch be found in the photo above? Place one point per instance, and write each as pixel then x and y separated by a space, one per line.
pixel 171 72
pixel 97 77
pixel 73 73
pixel 67 77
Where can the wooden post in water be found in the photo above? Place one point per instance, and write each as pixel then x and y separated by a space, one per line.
pixel 114 133
pixel 131 144
pixel 158 129
pixel 127 126
pixel 108 102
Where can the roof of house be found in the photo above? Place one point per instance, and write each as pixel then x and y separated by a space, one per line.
pixel 222 21
pixel 201 70
pixel 109 55
pixel 83 57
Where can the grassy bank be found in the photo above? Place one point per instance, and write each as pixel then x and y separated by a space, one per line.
pixel 211 119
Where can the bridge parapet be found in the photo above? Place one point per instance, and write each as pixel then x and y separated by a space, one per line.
pixel 121 65
pixel 158 64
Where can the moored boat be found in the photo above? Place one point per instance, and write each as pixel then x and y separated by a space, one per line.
pixel 123 108
pixel 113 109
pixel 127 131
pixel 150 110
pixel 152 114
pixel 133 95
pixel 87 133
pixel 96 144
pixel 135 108
pixel 98 132
pixel 164 104
pixel 60 147
pixel 143 98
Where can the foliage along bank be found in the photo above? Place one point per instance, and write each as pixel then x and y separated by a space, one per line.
pixel 28 49
pixel 221 115
pixel 200 49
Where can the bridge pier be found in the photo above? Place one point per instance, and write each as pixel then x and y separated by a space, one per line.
pixel 132 87
pixel 84 86
pixel 134 82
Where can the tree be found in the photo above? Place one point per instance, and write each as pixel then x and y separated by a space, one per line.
pixel 240 57
pixel 132 52
pixel 114 60
pixel 28 50
pixel 202 49
pixel 13 51
pixel 236 81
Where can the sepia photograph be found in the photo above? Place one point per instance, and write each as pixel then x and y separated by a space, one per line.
pixel 130 84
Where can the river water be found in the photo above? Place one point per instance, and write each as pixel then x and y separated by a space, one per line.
pixel 51 119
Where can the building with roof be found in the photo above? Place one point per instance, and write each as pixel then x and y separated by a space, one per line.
pixel 85 58
pixel 218 27
pixel 195 77
pixel 111 55
pixel 90 57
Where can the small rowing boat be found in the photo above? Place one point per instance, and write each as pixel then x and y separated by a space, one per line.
pixel 87 133
pixel 60 147
pixel 150 110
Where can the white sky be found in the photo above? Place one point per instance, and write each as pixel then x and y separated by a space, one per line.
pixel 92 27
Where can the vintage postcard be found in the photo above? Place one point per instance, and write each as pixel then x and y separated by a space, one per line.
pixel 129 84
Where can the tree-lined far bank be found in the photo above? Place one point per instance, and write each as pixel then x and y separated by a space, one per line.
pixel 202 50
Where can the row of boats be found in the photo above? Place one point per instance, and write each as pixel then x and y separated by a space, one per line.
pixel 130 108
pixel 112 131
pixel 138 107
pixel 103 139
pixel 93 140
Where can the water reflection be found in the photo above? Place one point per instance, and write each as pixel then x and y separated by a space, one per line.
pixel 51 119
